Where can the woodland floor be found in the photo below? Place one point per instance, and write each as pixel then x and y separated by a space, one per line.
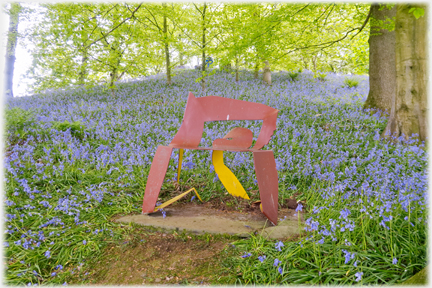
pixel 150 256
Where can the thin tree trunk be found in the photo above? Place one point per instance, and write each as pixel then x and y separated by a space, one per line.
pixel 181 59
pixel 314 63
pixel 237 69
pixel 409 109
pixel 304 62
pixel 256 70
pixel 267 73
pixel 203 82
pixel 113 77
pixel 83 68
pixel 382 59
pixel 167 52
pixel 11 47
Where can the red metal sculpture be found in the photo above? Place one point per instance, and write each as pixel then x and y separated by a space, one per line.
pixel 214 108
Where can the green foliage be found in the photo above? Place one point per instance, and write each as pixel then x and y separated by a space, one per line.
pixel 205 74
pixel 73 46
pixel 293 75
pixel 17 122
pixel 321 76
pixel 77 129
pixel 350 82
pixel 85 44
pixel 309 262
pixel 417 12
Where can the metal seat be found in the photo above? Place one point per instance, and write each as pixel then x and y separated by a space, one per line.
pixel 215 108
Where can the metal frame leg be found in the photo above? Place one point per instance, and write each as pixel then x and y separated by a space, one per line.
pixel 266 173
pixel 156 176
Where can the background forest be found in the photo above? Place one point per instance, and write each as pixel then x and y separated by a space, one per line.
pixel 85 44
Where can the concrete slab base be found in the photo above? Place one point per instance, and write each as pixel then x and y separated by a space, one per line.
pixel 199 219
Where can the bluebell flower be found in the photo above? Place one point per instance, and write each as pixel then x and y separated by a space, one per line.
pixel 299 207
pixel 262 258
pixel 276 262
pixel 344 213
pixel 279 245
pixel 246 255
pixel 348 256
pixel 358 276
pixel 395 261
pixel 48 254
pixel 280 270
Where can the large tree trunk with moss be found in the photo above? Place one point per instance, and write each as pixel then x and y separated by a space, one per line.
pixel 382 58
pixel 409 109
pixel 12 38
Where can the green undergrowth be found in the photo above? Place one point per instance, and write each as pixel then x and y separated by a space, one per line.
pixel 389 253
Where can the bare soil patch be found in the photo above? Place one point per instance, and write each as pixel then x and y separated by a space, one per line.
pixel 158 258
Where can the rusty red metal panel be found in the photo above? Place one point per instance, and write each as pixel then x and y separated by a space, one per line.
pixel 215 108
pixel 191 129
pixel 267 129
pixel 266 173
pixel 156 176
pixel 236 138
pixel 221 109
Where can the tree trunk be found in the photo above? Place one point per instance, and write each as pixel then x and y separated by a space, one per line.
pixel 113 78
pixel 382 59
pixel 256 70
pixel 10 49
pixel 314 58
pixel 409 109
pixel 181 58
pixel 83 68
pixel 203 82
pixel 167 52
pixel 305 63
pixel 237 69
pixel 267 73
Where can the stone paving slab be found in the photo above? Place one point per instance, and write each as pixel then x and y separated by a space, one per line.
pixel 200 220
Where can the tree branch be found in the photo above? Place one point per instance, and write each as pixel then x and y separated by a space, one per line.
pixel 115 27
pixel 364 23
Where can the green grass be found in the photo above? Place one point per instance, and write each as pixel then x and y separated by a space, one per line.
pixel 351 82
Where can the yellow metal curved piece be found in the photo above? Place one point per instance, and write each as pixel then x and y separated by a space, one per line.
pixel 179 165
pixel 228 179
pixel 169 202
